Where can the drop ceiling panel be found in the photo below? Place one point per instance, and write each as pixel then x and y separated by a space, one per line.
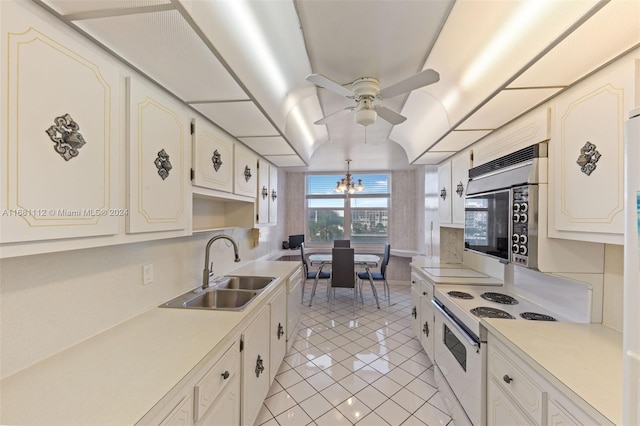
pixel 459 140
pixel 285 160
pixel 66 7
pixel 505 106
pixel 612 31
pixel 268 145
pixel 432 158
pixel 241 119
pixel 166 48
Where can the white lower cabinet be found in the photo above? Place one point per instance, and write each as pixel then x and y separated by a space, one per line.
pixel 255 366
pixel 422 315
pixel 415 304
pixel 517 394
pixel 278 332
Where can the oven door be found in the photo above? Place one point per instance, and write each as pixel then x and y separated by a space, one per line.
pixel 458 358
pixel 487 223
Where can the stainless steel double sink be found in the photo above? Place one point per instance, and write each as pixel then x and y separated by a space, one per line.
pixel 229 293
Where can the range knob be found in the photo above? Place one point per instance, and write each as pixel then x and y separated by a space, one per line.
pixel 523 250
pixel 516 207
pixel 515 238
pixel 524 207
pixel 515 248
pixel 523 239
pixel 516 218
pixel 524 217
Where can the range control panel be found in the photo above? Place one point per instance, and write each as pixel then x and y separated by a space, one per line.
pixel 520 225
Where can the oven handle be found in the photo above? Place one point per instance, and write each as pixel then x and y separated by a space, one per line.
pixel 455 325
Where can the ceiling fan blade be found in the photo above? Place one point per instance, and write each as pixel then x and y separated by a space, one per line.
pixel 389 115
pixel 332 86
pixel 333 115
pixel 421 79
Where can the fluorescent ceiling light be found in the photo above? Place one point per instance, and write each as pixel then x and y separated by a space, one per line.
pixel 507 38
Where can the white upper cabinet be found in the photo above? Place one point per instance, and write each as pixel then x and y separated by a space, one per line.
pixel 212 158
pixel 444 197
pixel 586 155
pixel 263 192
pixel 246 171
pixel 159 141
pixel 453 176
pixel 59 116
pixel 273 194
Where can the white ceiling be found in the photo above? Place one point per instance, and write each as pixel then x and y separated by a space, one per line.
pixel 243 65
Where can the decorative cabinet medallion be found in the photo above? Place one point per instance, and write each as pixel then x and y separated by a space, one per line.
pixel 216 159
pixel 159 134
pixel 247 173
pixel 588 158
pixel 163 164
pixel 460 189
pixel 443 193
pixel 212 154
pixel 64 133
pixel 41 196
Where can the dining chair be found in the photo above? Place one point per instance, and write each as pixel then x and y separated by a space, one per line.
pixel 343 274
pixel 342 243
pixel 311 275
pixel 379 276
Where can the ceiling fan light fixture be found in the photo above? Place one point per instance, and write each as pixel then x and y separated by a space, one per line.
pixel 366 117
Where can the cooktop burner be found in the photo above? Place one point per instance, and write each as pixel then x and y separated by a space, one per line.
pixel 499 298
pixel 460 295
pixel 486 312
pixel 536 316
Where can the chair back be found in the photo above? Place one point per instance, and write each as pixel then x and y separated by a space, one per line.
pixel 343 268
pixel 342 243
pixel 305 263
pixel 385 259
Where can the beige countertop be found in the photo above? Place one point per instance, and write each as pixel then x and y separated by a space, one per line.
pixel 120 374
pixel 436 271
pixel 584 359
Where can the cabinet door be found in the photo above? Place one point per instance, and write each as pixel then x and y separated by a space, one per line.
pixel 158 141
pixel 212 158
pixel 278 333
pixel 273 194
pixel 588 146
pixel 245 180
pixel 226 408
pixel 263 192
pixel 427 337
pixel 444 196
pixel 500 410
pixel 415 305
pixel 459 179
pixel 255 366
pixel 59 116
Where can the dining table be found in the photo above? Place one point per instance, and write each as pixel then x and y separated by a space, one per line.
pixel 367 261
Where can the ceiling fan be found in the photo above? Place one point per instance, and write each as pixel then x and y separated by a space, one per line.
pixel 365 90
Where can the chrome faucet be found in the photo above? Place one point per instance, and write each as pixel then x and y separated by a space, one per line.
pixel 205 273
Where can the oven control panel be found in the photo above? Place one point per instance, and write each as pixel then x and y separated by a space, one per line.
pixel 520 225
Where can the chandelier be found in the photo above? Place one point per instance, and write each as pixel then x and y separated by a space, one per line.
pixel 347 185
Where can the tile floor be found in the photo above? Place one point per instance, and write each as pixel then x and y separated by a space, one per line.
pixel 366 368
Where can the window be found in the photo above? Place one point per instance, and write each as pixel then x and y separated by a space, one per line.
pixel 362 217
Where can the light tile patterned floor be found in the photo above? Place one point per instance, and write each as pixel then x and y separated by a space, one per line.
pixel 366 368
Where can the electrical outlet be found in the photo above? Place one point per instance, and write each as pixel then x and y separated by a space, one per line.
pixel 147 273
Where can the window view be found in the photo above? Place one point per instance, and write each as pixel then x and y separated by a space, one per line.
pixel 362 217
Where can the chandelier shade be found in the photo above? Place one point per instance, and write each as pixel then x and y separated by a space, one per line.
pixel 347 185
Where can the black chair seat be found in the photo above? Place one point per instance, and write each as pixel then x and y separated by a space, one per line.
pixel 374 275
pixel 323 275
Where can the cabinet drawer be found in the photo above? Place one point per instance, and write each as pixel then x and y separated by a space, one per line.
pixel 501 411
pixel 216 380
pixel 517 380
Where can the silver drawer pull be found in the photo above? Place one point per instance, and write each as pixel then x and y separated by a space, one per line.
pixel 507 379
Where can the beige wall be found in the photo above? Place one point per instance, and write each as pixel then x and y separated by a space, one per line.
pixel 613 286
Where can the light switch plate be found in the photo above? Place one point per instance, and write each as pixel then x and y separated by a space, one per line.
pixel 147 273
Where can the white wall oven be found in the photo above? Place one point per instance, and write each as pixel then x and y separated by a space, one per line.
pixel 501 206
